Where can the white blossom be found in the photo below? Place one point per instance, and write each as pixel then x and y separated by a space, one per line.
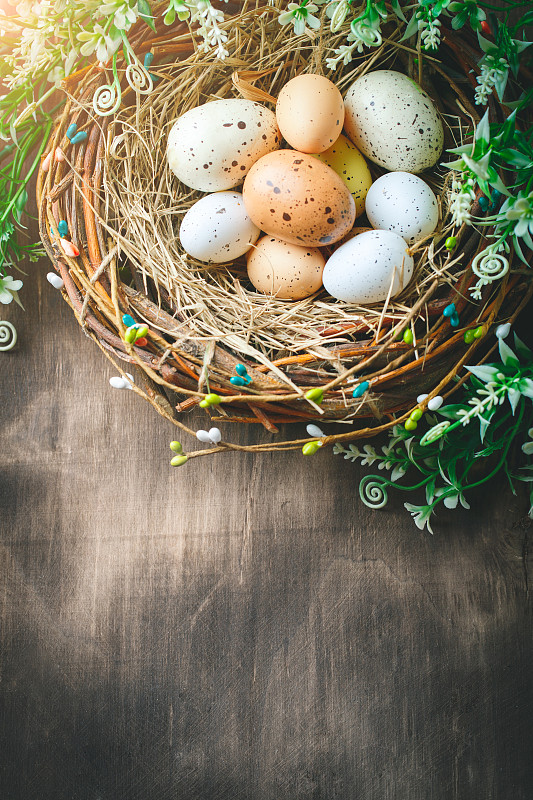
pixel 493 70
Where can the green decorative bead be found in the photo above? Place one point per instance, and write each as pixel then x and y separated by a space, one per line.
pixel 211 400
pixel 178 461
pixel 131 334
pixel 310 448
pixel 479 332
pixel 316 395
pixel 176 447
pixel 415 414
pixel 142 331
pixel 469 336
pixel 411 425
pixel 408 336
pixel 450 242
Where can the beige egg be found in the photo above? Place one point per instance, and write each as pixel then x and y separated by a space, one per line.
pixel 285 270
pixel 393 121
pixel 295 197
pixel 310 113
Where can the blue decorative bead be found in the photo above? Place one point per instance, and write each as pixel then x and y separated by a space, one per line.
pixel 237 381
pixel 360 389
pixel 495 196
pixel 149 57
pixel 241 370
pixel 483 203
pixel 79 137
pixel 128 320
pixel 51 230
pixel 454 320
pixel 154 78
pixel 449 311
pixel 62 228
pixel 71 131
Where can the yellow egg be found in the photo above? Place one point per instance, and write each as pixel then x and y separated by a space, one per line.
pixel 310 113
pixel 288 271
pixel 345 159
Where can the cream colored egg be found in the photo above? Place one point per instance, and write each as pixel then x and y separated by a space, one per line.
pixel 348 162
pixel 285 270
pixel 212 147
pixel 310 113
pixel 366 268
pixel 403 203
pixel 393 121
pixel 217 228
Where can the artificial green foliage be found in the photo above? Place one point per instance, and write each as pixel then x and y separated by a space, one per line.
pixel 471 444
pixel 40 45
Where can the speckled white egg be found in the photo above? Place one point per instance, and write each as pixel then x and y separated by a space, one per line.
pixel 403 203
pixel 362 270
pixel 217 228
pixel 393 121
pixel 212 147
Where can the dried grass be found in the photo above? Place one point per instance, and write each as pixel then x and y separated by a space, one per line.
pixel 147 203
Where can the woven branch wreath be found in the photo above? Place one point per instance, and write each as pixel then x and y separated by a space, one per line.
pixel 110 211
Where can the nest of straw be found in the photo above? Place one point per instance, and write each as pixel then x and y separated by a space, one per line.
pixel 124 207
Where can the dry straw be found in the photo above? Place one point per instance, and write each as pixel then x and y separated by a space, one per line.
pixel 123 207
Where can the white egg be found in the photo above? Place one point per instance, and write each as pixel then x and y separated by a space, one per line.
pixel 212 147
pixel 217 228
pixel 403 203
pixel 363 269
pixel 393 121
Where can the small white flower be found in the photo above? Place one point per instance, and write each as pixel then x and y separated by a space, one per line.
pixel 429 33
pixel 97 41
pixel 124 13
pixel 300 16
pixel 7 287
pixel 520 209
pixel 493 71
pixel 421 515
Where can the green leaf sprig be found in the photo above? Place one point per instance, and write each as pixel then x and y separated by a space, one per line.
pixel 455 455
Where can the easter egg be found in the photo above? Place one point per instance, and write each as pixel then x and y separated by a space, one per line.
pixel 346 160
pixel 403 203
pixel 393 121
pixel 212 147
pixel 310 113
pixel 286 270
pixel 294 197
pixel 217 228
pixel 364 269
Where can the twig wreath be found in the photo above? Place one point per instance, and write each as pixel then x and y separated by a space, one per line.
pixel 110 211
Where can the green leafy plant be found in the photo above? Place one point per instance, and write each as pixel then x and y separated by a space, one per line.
pixel 40 45
pixel 469 446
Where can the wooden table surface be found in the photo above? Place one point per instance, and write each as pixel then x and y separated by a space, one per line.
pixel 242 627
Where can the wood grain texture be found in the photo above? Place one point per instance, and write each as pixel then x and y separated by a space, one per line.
pixel 242 627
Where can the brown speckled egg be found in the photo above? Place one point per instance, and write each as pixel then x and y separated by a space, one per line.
pixel 310 113
pixel 286 270
pixel 294 197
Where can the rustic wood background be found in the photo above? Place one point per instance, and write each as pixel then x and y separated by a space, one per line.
pixel 242 627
